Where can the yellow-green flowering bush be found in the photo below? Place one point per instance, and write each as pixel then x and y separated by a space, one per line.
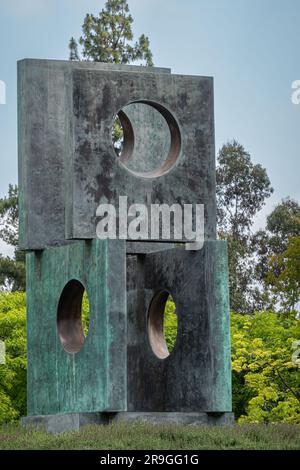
pixel 13 373
pixel 266 382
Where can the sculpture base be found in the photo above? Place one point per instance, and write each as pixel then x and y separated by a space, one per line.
pixel 64 422
pixel 190 419
pixel 67 422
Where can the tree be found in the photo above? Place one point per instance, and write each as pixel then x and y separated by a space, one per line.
pixel 283 223
pixel 271 244
pixel 9 217
pixel 284 275
pixel 12 271
pixel 73 48
pixel 108 37
pixel 242 189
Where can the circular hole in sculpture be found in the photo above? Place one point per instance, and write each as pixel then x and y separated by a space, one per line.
pixel 146 139
pixel 162 324
pixel 73 316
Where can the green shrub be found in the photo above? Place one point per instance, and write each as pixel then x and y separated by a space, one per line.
pixel 170 324
pixel 266 383
pixel 13 373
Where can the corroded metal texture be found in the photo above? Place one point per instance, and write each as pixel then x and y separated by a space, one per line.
pixel 93 378
pixel 196 376
pixel 67 163
pixel 187 176
pixel 43 120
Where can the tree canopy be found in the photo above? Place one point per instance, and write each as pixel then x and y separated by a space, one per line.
pixel 12 271
pixel 242 188
pixel 108 37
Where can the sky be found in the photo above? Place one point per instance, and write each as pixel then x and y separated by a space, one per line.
pixel 250 47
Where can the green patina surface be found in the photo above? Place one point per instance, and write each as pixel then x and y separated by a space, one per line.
pixel 94 379
pixel 197 375
pixel 219 318
pixel 58 151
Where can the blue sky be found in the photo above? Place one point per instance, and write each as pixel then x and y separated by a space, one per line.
pixel 250 47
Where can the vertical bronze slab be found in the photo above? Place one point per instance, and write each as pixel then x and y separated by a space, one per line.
pixel 94 378
pixel 196 376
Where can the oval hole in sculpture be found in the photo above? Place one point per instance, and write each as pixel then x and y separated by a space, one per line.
pixel 162 324
pixel 73 316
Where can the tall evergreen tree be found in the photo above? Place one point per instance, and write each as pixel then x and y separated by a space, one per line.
pixel 242 189
pixel 73 48
pixel 108 37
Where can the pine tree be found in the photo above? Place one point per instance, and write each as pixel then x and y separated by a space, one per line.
pixel 73 48
pixel 108 37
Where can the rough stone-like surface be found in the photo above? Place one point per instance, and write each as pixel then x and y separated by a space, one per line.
pixel 42 130
pixel 97 176
pixel 196 377
pixel 93 379
pixel 67 163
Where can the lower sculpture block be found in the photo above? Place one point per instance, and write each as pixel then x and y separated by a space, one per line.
pixel 196 376
pixel 123 370
pixel 66 372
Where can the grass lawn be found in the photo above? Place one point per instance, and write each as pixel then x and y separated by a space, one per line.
pixel 149 437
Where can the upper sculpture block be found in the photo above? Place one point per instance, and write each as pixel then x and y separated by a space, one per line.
pixel 67 161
